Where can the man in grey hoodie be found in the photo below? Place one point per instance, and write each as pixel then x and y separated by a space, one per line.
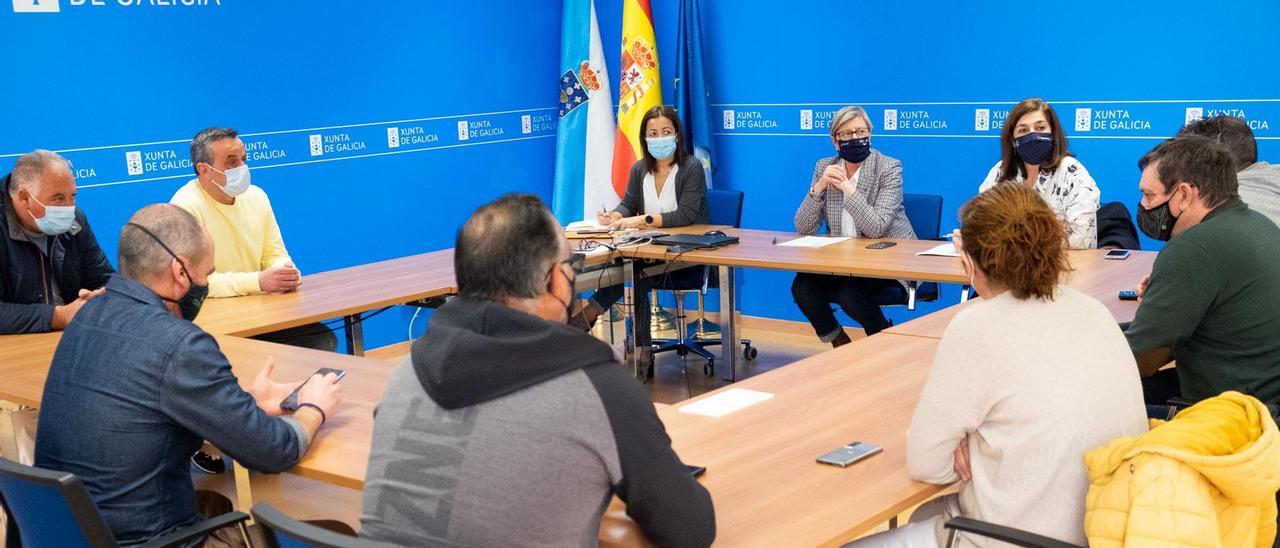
pixel 507 427
pixel 1259 181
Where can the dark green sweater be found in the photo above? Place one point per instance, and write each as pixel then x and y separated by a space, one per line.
pixel 1214 299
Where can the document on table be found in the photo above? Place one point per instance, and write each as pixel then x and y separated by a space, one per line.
pixel 726 402
pixel 814 241
pixel 945 250
pixel 585 224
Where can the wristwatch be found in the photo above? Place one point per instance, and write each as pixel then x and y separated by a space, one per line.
pixel 648 219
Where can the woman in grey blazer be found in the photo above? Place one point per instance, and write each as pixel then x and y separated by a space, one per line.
pixel 666 188
pixel 857 193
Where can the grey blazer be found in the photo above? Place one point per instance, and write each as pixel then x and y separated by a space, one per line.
pixel 691 194
pixel 876 206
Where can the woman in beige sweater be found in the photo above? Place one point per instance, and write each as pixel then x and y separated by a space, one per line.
pixel 1025 382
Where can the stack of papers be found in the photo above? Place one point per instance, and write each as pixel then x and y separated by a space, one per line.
pixel 945 250
pixel 585 224
pixel 814 241
pixel 726 402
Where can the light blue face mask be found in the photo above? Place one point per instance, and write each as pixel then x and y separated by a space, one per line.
pixel 57 219
pixel 661 147
pixel 238 180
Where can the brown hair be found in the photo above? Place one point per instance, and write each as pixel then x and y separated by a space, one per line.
pixel 1010 165
pixel 651 163
pixel 1015 239
pixel 1198 161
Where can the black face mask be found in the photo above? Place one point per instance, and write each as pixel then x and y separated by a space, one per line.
pixel 855 150
pixel 190 303
pixel 576 260
pixel 1157 222
pixel 1033 148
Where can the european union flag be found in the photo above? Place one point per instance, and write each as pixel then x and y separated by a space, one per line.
pixel 572 95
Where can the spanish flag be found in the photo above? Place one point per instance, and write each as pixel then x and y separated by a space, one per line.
pixel 638 87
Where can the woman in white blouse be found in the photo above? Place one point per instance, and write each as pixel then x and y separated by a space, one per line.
pixel 1033 152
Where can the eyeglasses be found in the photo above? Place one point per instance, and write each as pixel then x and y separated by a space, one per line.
pixel 846 135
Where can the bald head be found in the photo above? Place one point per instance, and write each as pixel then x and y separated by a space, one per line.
pixel 143 258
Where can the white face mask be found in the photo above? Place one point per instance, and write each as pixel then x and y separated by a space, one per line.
pixel 57 219
pixel 238 180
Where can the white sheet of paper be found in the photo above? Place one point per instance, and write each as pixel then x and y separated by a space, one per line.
pixel 814 241
pixel 585 224
pixel 945 250
pixel 726 402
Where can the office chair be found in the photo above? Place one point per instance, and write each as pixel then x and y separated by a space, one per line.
pixel 281 531
pixel 48 508
pixel 726 209
pixel 1001 533
pixel 925 213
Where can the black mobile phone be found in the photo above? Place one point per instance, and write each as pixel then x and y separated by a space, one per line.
pixel 1117 254
pixel 1128 295
pixel 696 471
pixel 291 403
pixel 882 245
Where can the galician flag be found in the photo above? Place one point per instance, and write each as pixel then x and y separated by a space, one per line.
pixel 638 89
pixel 584 136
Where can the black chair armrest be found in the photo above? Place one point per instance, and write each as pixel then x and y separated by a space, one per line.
pixel 181 536
pixel 1006 534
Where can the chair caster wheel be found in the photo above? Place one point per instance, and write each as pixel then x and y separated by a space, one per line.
pixel 750 352
pixel 709 368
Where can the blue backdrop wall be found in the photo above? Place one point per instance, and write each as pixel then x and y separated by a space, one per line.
pixel 1134 72
pixel 121 90
pixel 353 116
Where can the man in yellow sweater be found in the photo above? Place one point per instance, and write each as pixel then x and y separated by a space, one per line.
pixel 249 253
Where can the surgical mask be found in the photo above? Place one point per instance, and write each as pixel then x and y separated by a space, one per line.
pixel 57 219
pixel 238 180
pixel 855 150
pixel 1033 148
pixel 1157 222
pixel 661 147
pixel 191 302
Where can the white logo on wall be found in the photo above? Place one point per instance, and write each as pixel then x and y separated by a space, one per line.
pixel 526 124
pixel 981 119
pixel 806 118
pixel 1083 116
pixel 728 119
pixel 890 119
pixel 36 6
pixel 462 130
pixel 317 145
pixel 393 137
pixel 1194 114
pixel 133 161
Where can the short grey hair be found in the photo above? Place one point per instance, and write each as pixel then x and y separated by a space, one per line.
pixel 29 170
pixel 141 257
pixel 202 144
pixel 846 114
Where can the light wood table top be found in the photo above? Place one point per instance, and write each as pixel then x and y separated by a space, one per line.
pixel 761 464
pixel 757 249
pixel 333 294
pixel 1099 278
pixel 340 450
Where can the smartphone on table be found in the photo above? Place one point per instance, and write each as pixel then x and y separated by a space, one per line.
pixel 850 454
pixel 291 403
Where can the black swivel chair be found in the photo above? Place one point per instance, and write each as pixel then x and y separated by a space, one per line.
pixel 1001 533
pixel 726 209
pixel 281 531
pixel 53 509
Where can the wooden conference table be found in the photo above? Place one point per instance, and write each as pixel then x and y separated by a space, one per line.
pixel 761 470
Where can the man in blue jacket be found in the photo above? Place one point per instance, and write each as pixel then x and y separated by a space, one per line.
pixel 50 262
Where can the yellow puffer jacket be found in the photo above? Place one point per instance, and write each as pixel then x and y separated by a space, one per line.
pixel 1206 478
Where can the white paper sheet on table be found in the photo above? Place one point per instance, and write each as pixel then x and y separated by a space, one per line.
pixel 814 241
pixel 585 224
pixel 726 402
pixel 945 250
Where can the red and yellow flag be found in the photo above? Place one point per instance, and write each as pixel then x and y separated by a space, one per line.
pixel 638 87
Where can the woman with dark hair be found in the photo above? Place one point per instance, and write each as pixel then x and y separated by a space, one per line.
pixel 1033 152
pixel 1025 382
pixel 666 188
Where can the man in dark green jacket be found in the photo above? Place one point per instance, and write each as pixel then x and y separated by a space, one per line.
pixel 1212 301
